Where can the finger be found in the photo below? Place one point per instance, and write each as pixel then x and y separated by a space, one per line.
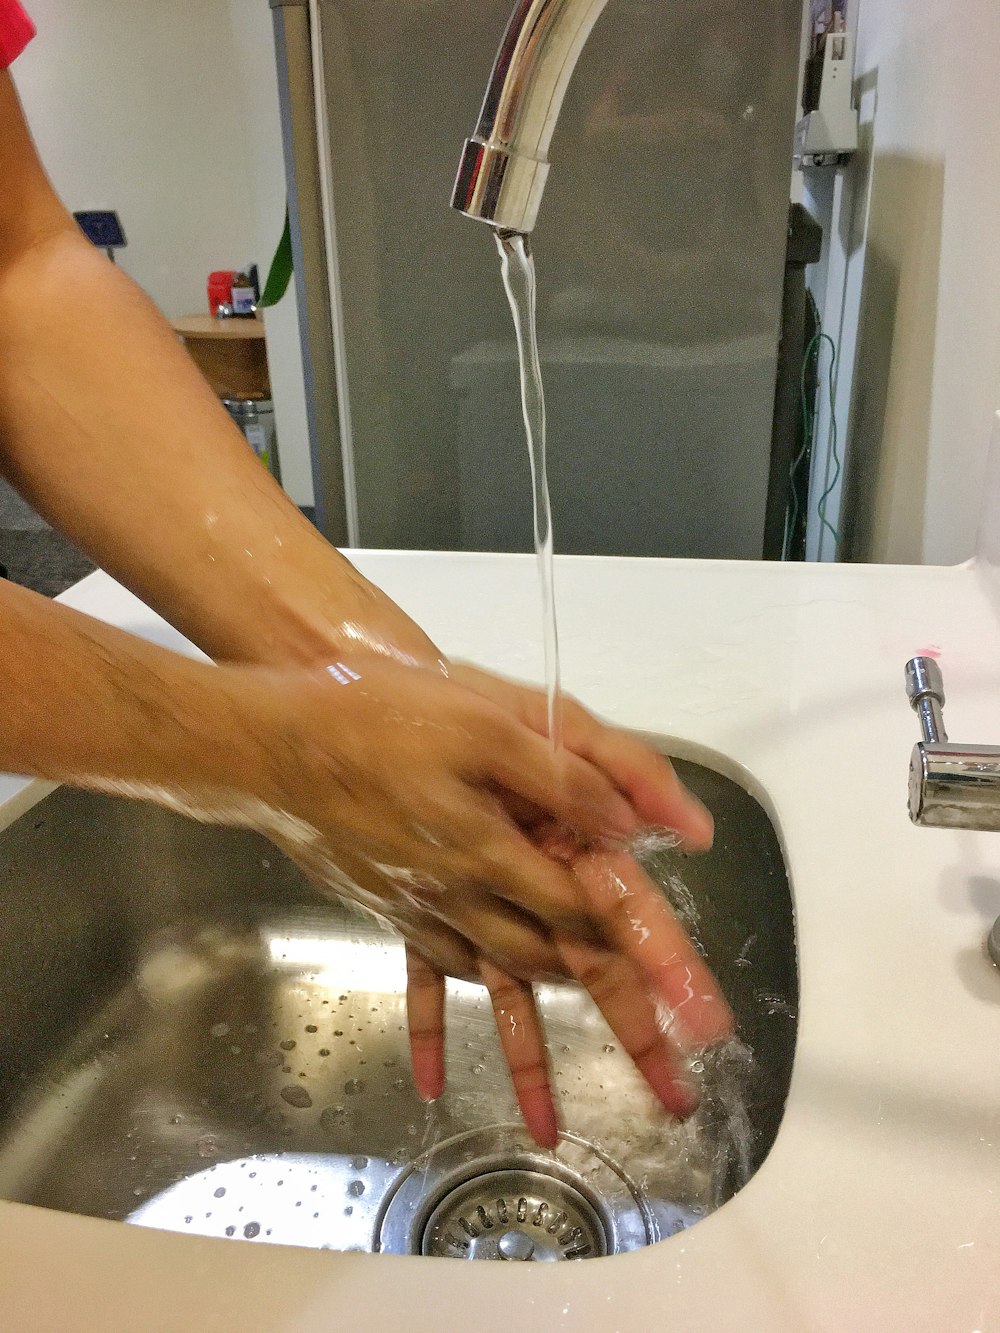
pixel 523 1044
pixel 620 993
pixel 505 935
pixel 425 990
pixel 503 861
pixel 637 919
pixel 559 782
pixel 645 778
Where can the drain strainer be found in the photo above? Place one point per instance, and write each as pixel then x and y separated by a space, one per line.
pixel 515 1215
pixel 494 1194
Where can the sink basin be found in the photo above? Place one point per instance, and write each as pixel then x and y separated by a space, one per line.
pixel 194 1039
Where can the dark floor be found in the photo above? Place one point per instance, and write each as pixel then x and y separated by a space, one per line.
pixel 31 553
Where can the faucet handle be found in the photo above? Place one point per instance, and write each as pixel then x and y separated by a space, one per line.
pixel 925 691
pixel 951 786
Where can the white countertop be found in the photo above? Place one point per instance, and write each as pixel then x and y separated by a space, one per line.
pixel 879 1204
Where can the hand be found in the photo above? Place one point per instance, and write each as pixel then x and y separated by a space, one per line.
pixel 645 778
pixel 402 783
pixel 637 955
pixel 648 962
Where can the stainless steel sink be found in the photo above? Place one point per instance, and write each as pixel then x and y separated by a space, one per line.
pixel 193 1039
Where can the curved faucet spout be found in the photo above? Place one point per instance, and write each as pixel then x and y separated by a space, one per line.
pixel 503 167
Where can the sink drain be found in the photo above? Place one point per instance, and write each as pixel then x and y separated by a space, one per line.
pixel 515 1215
pixel 493 1194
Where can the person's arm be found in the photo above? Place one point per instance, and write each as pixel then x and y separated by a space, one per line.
pixel 417 793
pixel 110 431
pixel 331 762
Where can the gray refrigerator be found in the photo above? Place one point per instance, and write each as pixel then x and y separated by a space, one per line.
pixel 660 250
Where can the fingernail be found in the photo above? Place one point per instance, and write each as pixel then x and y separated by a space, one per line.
pixel 685 1099
pixel 707 1020
pixel 674 1089
pixel 700 829
pixel 539 1116
pixel 623 820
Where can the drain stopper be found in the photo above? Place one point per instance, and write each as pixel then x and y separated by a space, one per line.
pixel 515 1214
pixel 515 1245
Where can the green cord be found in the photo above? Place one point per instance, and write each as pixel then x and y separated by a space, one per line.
pixel 808 425
pixel 821 507
pixel 807 428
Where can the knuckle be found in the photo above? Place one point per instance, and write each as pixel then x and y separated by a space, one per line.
pixel 507 994
pixel 529 1074
pixel 426 1036
pixel 645 1049
pixel 604 979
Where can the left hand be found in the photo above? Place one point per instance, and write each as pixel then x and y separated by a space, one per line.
pixel 648 960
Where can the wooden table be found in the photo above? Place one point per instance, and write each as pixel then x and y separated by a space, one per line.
pixel 230 353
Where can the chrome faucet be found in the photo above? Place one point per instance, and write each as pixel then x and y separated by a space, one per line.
pixel 501 175
pixel 951 786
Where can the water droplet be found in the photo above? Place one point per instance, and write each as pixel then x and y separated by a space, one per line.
pixel 219 1029
pixel 356 1188
pixel 220 1192
pixel 348 1210
pixel 296 1095
pixel 311 1027
pixel 176 1119
pixel 230 1231
pixel 354 1085
pixel 323 1050
pixel 399 1084
pixel 207 1145
pixel 358 1163
pixel 331 1117
pixel 609 1048
pixel 337 1032
pixel 477 1069
pixel 188 1219
pixel 288 1045
pixel 251 1230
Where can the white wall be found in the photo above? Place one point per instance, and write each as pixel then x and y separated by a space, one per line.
pixel 168 112
pixel 138 108
pixel 914 266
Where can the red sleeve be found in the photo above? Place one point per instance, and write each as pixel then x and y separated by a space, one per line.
pixel 16 31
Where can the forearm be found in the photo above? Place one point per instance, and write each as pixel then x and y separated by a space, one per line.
pixel 91 705
pixel 110 431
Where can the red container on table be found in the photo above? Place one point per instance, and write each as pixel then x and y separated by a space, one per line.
pixel 220 289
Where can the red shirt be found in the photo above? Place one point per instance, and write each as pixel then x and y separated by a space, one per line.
pixel 16 31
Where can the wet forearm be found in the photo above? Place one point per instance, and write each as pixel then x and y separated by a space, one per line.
pixel 109 430
pixel 95 706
